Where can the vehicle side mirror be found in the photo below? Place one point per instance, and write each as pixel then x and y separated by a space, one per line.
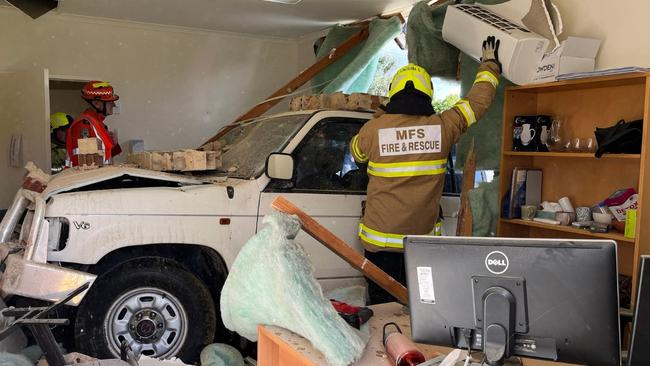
pixel 279 166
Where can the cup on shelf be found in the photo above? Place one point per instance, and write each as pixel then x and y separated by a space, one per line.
pixel 566 205
pixel 563 217
pixel 556 140
pixel 602 218
pixel 583 214
pixel 590 144
pixel 528 212
pixel 577 145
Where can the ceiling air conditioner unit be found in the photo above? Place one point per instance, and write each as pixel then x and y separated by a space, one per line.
pixel 520 52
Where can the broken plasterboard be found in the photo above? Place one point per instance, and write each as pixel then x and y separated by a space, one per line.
pixel 538 16
pixel 576 54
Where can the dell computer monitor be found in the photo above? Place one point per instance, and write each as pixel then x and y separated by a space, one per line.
pixel 544 298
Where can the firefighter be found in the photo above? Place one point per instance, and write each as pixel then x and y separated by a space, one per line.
pixel 406 152
pixel 59 123
pixel 101 97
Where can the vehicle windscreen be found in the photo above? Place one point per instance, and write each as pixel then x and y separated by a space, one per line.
pixel 246 147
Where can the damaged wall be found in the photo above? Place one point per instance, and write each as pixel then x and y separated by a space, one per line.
pixel 622 25
pixel 177 86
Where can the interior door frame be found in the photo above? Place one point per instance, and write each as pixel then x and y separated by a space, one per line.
pixel 59 77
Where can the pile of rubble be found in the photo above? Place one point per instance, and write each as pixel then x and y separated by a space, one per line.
pixel 353 102
pixel 179 161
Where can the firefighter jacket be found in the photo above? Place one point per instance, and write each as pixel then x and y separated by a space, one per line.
pixel 90 124
pixel 407 161
pixel 59 155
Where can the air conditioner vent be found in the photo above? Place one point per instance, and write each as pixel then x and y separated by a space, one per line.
pixel 491 18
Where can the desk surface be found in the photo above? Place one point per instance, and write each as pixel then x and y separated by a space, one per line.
pixel 301 352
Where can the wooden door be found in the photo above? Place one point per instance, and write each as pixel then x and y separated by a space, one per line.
pixel 24 113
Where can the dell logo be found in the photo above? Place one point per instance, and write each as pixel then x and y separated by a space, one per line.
pixel 496 262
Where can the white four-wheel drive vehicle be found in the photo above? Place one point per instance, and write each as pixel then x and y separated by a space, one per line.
pixel 158 246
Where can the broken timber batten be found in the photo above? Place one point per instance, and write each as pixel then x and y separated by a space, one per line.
pixel 343 250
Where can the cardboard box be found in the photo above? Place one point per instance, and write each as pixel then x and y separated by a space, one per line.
pixel 575 54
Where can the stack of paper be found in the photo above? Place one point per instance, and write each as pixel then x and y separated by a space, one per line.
pixel 604 72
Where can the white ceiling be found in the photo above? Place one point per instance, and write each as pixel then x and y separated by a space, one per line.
pixel 256 17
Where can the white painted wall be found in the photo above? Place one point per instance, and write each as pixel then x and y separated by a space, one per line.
pixel 177 86
pixel 622 25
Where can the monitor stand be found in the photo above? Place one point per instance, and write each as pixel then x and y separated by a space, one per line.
pixel 499 314
pixel 476 361
pixel 509 362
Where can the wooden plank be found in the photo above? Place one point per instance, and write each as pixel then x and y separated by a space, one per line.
pixel 586 155
pixel 298 81
pixel 343 250
pixel 585 83
pixel 643 220
pixel 278 346
pixel 465 221
pixel 274 351
pixel 561 229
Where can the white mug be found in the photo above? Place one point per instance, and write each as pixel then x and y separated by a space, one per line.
pixel 527 134
pixel 543 136
pixel 566 205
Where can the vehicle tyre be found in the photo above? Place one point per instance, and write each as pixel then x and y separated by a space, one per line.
pixel 159 308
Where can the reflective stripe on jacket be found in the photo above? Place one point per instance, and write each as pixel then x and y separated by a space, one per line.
pixel 408 168
pixel 407 162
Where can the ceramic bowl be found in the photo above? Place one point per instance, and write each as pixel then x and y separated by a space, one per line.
pixel 602 218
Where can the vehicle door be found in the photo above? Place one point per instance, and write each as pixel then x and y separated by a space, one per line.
pixel 329 186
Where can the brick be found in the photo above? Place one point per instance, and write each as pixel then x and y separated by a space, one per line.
pixel 213 160
pixel 90 145
pixel 338 100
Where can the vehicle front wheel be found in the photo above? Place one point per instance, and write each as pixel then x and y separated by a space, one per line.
pixel 159 308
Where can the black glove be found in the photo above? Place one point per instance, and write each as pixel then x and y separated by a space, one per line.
pixel 491 50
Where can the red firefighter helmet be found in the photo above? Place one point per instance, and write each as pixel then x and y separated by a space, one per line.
pixel 99 90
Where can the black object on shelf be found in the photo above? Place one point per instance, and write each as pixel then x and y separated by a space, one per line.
pixel 622 138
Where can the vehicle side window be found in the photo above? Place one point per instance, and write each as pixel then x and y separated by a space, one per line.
pixel 323 160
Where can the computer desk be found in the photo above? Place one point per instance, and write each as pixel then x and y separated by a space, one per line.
pixel 279 347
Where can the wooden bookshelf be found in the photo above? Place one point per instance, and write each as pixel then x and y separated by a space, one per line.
pixel 583 105
pixel 580 233
pixel 570 155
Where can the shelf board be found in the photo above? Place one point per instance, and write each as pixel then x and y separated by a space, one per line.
pixel 584 83
pixel 569 229
pixel 570 155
